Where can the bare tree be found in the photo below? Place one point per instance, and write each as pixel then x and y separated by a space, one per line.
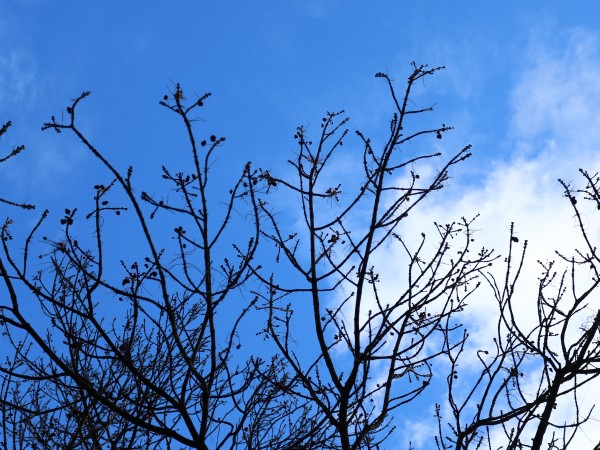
pixel 14 152
pixel 134 356
pixel 242 323
pixel 373 348
pixel 529 371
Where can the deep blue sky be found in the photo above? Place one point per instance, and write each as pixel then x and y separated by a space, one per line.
pixel 270 66
pixel 522 84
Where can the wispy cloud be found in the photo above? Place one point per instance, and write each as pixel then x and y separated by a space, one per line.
pixel 17 79
pixel 318 9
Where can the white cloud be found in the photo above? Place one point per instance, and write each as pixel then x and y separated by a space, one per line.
pixel 554 131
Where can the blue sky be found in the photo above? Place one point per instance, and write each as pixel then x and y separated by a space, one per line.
pixel 270 66
pixel 522 84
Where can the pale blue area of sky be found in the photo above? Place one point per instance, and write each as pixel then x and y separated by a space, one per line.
pixel 270 65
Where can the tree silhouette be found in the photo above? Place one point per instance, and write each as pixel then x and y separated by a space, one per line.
pixel 14 152
pixel 239 327
pixel 531 370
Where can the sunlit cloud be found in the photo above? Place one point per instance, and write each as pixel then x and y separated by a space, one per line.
pixel 554 131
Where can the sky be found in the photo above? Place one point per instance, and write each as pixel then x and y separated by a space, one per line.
pixel 521 84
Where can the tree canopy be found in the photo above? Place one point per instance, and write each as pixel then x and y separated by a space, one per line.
pixel 261 316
